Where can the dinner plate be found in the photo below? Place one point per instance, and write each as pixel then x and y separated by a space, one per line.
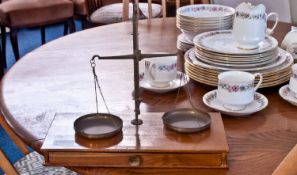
pixel 183 39
pixel 222 41
pixel 180 80
pixel 259 103
pixel 238 58
pixel 271 77
pixel 288 95
pixel 236 64
pixel 284 57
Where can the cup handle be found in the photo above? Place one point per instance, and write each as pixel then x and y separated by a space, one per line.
pixel 151 71
pixel 270 31
pixel 260 81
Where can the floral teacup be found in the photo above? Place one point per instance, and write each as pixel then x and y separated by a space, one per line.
pixel 160 71
pixel 236 89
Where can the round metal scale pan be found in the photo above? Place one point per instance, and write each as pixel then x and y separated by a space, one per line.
pixel 98 125
pixel 186 120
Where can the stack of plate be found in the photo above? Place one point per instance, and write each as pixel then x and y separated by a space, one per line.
pixel 216 52
pixel 183 43
pixel 194 19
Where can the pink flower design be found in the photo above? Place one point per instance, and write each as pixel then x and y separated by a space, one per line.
pixel 235 88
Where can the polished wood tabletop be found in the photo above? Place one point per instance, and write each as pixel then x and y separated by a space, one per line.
pixel 56 78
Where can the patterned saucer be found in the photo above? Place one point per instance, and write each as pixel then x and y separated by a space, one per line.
pixel 288 95
pixel 260 102
pixel 180 80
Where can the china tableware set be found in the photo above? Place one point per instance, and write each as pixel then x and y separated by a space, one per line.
pixel 290 43
pixel 160 75
pixel 235 60
pixel 247 48
pixel 183 43
pixel 289 92
pixel 236 94
pixel 195 19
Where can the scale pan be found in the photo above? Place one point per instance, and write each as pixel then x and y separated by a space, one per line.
pixel 186 120
pixel 98 125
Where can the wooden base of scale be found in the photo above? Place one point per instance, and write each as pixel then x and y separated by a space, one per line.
pixel 149 146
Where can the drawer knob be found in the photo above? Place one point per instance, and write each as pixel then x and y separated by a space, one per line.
pixel 135 161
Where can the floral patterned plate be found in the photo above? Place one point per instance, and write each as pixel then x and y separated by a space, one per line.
pixel 205 11
pixel 180 80
pixel 260 102
pixel 221 41
pixel 288 95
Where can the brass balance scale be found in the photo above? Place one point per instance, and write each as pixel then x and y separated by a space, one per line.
pixel 180 120
pixel 182 142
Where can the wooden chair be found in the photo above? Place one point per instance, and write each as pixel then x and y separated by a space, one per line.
pixel 288 164
pixel 80 11
pixel 100 13
pixel 16 14
pixel 31 163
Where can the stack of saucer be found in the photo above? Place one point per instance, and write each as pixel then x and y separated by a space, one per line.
pixel 215 52
pixel 183 44
pixel 195 19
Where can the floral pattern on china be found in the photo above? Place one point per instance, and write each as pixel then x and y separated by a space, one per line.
pixel 236 88
pixel 206 11
pixel 162 67
pixel 244 15
pixel 257 97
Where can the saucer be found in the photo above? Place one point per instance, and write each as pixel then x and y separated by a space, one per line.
pixel 260 102
pixel 174 84
pixel 287 95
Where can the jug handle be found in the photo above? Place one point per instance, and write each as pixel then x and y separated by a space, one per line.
pixel 270 30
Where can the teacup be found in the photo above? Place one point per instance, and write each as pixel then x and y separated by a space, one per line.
pixel 293 80
pixel 160 71
pixel 292 49
pixel 290 38
pixel 250 25
pixel 236 89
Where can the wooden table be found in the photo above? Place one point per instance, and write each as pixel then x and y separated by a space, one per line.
pixel 56 78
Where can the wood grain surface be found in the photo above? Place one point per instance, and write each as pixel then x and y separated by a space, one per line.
pixel 150 145
pixel 56 78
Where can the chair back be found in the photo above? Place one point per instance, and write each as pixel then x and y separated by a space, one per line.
pixel 93 5
pixel 149 6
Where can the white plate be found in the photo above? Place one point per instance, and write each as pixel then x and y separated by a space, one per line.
pixel 284 59
pixel 174 84
pixel 182 38
pixel 288 95
pixel 222 41
pixel 260 102
pixel 205 11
